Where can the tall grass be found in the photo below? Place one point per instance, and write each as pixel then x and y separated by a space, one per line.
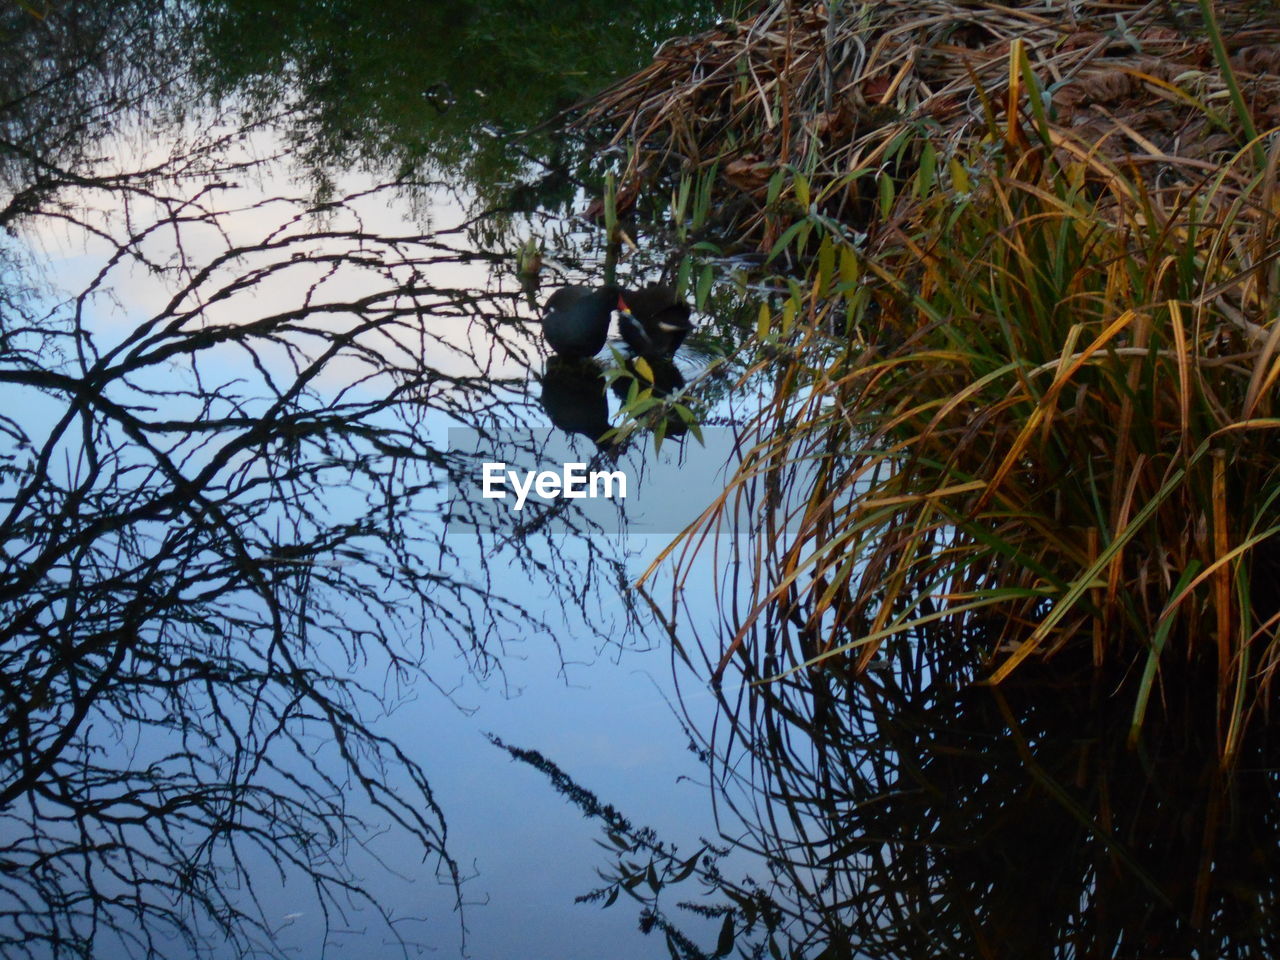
pixel 1038 421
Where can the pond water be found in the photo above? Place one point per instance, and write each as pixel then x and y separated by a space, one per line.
pixel 531 637
pixel 266 312
pixel 570 669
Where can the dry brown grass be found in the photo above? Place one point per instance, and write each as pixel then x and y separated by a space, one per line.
pixel 833 93
pixel 1024 385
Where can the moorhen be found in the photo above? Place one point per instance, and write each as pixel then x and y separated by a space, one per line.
pixel 573 396
pixel 575 319
pixel 657 322
pixel 666 380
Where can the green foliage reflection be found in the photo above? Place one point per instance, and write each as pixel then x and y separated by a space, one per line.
pixel 420 85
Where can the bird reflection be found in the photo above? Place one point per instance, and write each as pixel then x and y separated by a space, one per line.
pixel 667 380
pixel 653 321
pixel 574 396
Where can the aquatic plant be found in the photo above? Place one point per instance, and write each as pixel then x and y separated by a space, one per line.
pixel 1023 388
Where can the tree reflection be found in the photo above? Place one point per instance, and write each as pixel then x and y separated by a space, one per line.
pixel 917 817
pixel 434 84
pixel 221 482
pixel 68 73
pixel 905 815
pixel 223 555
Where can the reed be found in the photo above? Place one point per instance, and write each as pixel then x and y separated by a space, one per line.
pixel 828 104
pixel 1023 382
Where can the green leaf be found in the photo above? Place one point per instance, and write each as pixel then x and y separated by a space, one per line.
pixel 683 274
pixel 610 203
pixel 659 434
pixel 704 286
pixel 787 236
pixel 680 200
pixel 848 265
pixel 775 187
pixel 1153 654
pixel 789 315
pixel 826 264
pixel 928 169
pixel 887 189
pixel 802 236
pixel 801 184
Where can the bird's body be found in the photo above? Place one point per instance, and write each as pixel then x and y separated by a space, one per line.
pixel 575 319
pixel 657 321
pixel 573 396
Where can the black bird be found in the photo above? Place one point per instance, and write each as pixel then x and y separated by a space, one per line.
pixel 573 395
pixel 575 319
pixel 666 380
pixel 657 321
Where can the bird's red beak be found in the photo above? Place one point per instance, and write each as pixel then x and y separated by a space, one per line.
pixel 622 305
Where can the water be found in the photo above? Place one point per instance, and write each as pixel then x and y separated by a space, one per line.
pixel 237 581
pixel 450 635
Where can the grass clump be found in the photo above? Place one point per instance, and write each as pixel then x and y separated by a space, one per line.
pixel 828 107
pixel 1024 385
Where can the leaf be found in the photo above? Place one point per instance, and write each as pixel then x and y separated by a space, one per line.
pixel 959 175
pixel 789 315
pixel 609 900
pixel 680 200
pixel 1153 655
pixel 802 236
pixel 683 274
pixel 659 433
pixel 826 264
pixel 687 867
pixel 928 169
pixel 704 286
pixel 775 187
pixel 724 944
pixel 848 265
pixel 610 203
pixel 616 840
pixel 643 368
pixel 887 188
pixel 801 184
pixel 787 236
pixel 763 319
